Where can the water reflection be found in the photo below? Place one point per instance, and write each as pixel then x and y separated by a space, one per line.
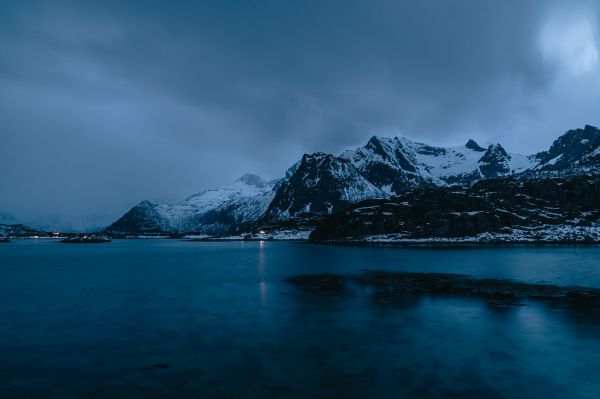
pixel 262 285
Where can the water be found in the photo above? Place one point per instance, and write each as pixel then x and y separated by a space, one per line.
pixel 84 321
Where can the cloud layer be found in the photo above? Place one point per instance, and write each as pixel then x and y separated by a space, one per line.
pixel 104 105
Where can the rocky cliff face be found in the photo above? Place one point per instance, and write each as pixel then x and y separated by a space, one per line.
pixel 391 164
pixel 489 206
pixel 320 184
pixel 572 148
pixel 495 162
pixel 577 152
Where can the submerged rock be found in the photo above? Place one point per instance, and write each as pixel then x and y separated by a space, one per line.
pixel 396 285
pixel 156 366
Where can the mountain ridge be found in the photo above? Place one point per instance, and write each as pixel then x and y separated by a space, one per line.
pixel 320 183
pixel 210 211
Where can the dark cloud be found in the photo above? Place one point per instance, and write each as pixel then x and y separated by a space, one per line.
pixel 105 103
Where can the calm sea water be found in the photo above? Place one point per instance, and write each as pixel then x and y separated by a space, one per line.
pixel 90 321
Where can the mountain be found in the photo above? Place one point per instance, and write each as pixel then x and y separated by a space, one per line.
pixel 17 230
pixel 566 209
pixel 574 153
pixel 320 184
pixel 397 164
pixel 71 223
pixel 324 183
pixel 220 210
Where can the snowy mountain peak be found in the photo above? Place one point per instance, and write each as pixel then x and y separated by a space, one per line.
pixel 495 162
pixel 497 151
pixel 472 145
pixel 574 143
pixel 383 147
pixel 252 180
pixel 576 149
pixel 314 157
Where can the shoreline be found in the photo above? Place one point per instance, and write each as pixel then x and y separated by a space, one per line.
pixel 456 244
pixel 416 243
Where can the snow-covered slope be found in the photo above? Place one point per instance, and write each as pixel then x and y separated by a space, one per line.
pixel 397 164
pixel 212 211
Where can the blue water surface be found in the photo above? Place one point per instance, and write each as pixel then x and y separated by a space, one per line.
pixel 216 320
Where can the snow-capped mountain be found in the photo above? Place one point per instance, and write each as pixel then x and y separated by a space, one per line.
pixel 397 164
pixel 320 183
pixel 575 152
pixel 212 211
pixel 324 183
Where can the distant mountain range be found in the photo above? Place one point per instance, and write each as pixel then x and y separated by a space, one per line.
pixel 71 223
pixel 320 184
pixel 19 230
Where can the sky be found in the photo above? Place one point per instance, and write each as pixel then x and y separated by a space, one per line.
pixel 106 103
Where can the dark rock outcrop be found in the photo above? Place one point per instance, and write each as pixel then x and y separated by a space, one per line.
pixel 390 287
pixel 577 152
pixel 472 145
pixel 487 206
pixel 570 148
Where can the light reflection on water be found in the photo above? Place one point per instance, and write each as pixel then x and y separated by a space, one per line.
pixel 261 271
pixel 82 320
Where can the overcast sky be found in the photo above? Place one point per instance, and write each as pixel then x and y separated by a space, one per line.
pixel 106 103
